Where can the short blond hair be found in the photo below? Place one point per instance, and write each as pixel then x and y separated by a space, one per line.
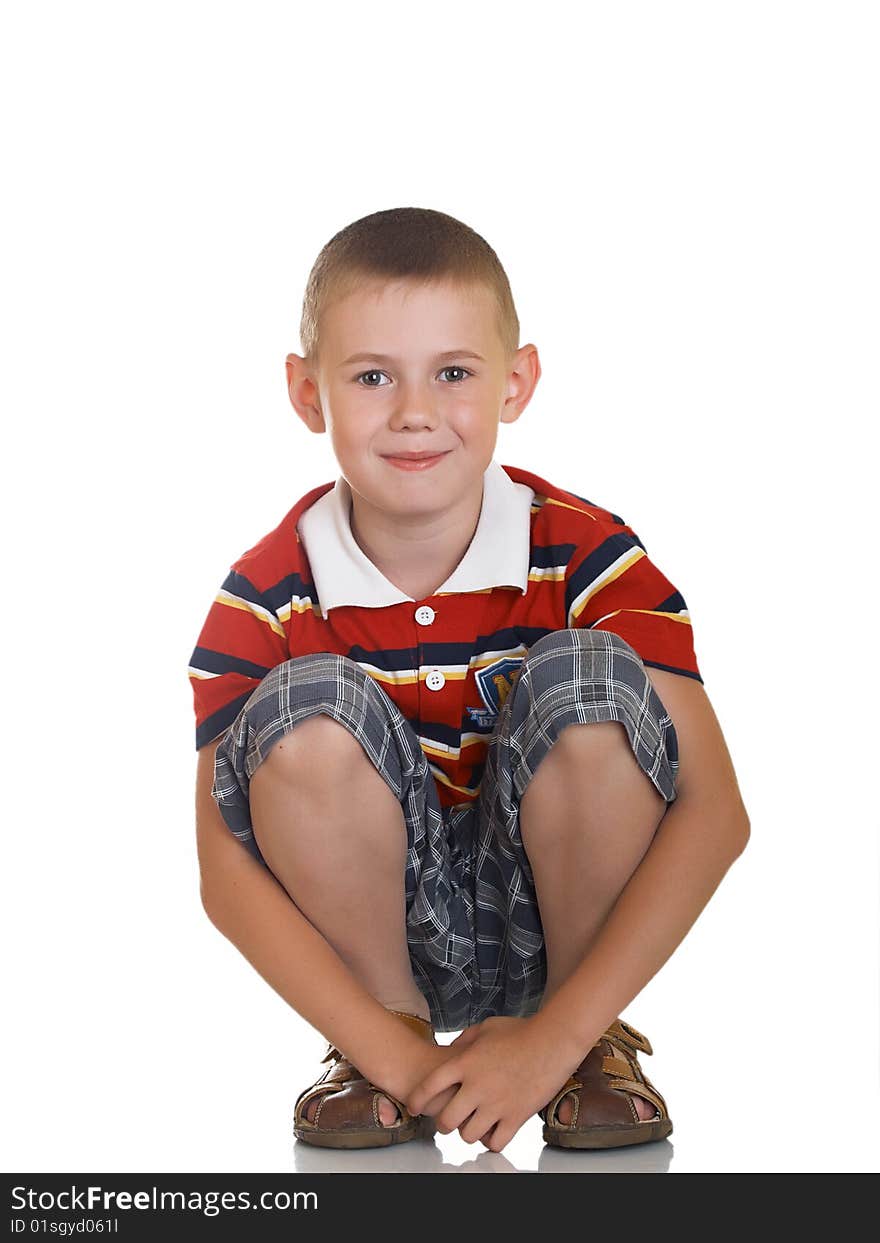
pixel 405 243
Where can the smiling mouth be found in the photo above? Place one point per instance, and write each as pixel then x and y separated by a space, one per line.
pixel 415 461
pixel 416 457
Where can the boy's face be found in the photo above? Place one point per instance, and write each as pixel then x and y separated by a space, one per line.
pixel 430 375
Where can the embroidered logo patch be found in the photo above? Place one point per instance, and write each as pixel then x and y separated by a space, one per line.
pixel 494 683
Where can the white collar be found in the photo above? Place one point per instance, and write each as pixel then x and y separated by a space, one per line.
pixel 498 555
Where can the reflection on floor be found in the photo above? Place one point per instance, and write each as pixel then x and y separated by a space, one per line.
pixel 449 1154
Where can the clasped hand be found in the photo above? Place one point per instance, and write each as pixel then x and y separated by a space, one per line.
pixel 491 1079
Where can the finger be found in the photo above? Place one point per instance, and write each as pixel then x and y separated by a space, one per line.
pixel 433 1107
pixel 452 1117
pixel 479 1124
pixel 467 1037
pixel 501 1135
pixel 432 1085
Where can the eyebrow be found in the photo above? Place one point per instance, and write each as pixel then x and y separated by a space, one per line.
pixel 386 358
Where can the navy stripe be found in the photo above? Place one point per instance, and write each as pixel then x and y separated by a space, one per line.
pixel 220 663
pixel 596 505
pixel 509 636
pixel 672 604
pixel 394 659
pixel 655 664
pixel 549 556
pixel 462 653
pixel 596 563
pixel 482 645
pixel 291 586
pixel 274 598
pixel 220 721
pixel 390 660
pixel 237 585
pixel 435 731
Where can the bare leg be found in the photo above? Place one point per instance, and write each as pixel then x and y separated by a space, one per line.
pixel 334 835
pixel 587 818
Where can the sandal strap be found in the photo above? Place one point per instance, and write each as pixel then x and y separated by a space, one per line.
pixel 617 1066
pixel 309 1094
pixel 629 1036
pixel 627 1075
pixel 549 1110
pixel 626 1042
pixel 635 1087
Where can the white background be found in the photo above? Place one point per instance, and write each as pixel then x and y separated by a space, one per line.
pixel 685 198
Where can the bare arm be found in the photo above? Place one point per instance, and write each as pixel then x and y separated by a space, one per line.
pixel 702 832
pixel 692 850
pixel 253 910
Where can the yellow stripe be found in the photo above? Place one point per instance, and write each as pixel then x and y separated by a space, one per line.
pixel 299 605
pixel 514 653
pixel 553 574
pixel 393 679
pixel 408 679
pixel 437 752
pixel 575 508
pixel 235 602
pixel 477 591
pixel 677 617
pixel 607 580
pixel 444 780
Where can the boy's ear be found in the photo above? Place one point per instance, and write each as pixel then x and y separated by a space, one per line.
pixel 303 393
pixel 525 372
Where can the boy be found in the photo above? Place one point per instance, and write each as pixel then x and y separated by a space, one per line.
pixel 383 689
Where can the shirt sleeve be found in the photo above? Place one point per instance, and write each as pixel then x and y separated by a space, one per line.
pixel 241 640
pixel 615 586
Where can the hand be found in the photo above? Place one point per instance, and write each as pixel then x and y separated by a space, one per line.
pixel 430 1060
pixel 495 1076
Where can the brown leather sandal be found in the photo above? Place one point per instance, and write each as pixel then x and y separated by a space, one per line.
pixel 603 1115
pixel 347 1115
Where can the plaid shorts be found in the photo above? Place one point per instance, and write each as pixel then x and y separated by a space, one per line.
pixel 472 921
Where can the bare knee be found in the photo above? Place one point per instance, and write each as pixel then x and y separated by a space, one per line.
pixel 318 747
pixel 582 749
pixel 599 736
pixel 598 757
pixel 310 780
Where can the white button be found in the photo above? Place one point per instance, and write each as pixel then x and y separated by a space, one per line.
pixel 425 615
pixel 435 680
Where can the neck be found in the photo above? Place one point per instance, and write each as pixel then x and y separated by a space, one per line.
pixel 416 554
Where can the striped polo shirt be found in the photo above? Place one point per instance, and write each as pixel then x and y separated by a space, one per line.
pixel 541 559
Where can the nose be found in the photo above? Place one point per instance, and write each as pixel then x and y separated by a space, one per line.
pixel 413 407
